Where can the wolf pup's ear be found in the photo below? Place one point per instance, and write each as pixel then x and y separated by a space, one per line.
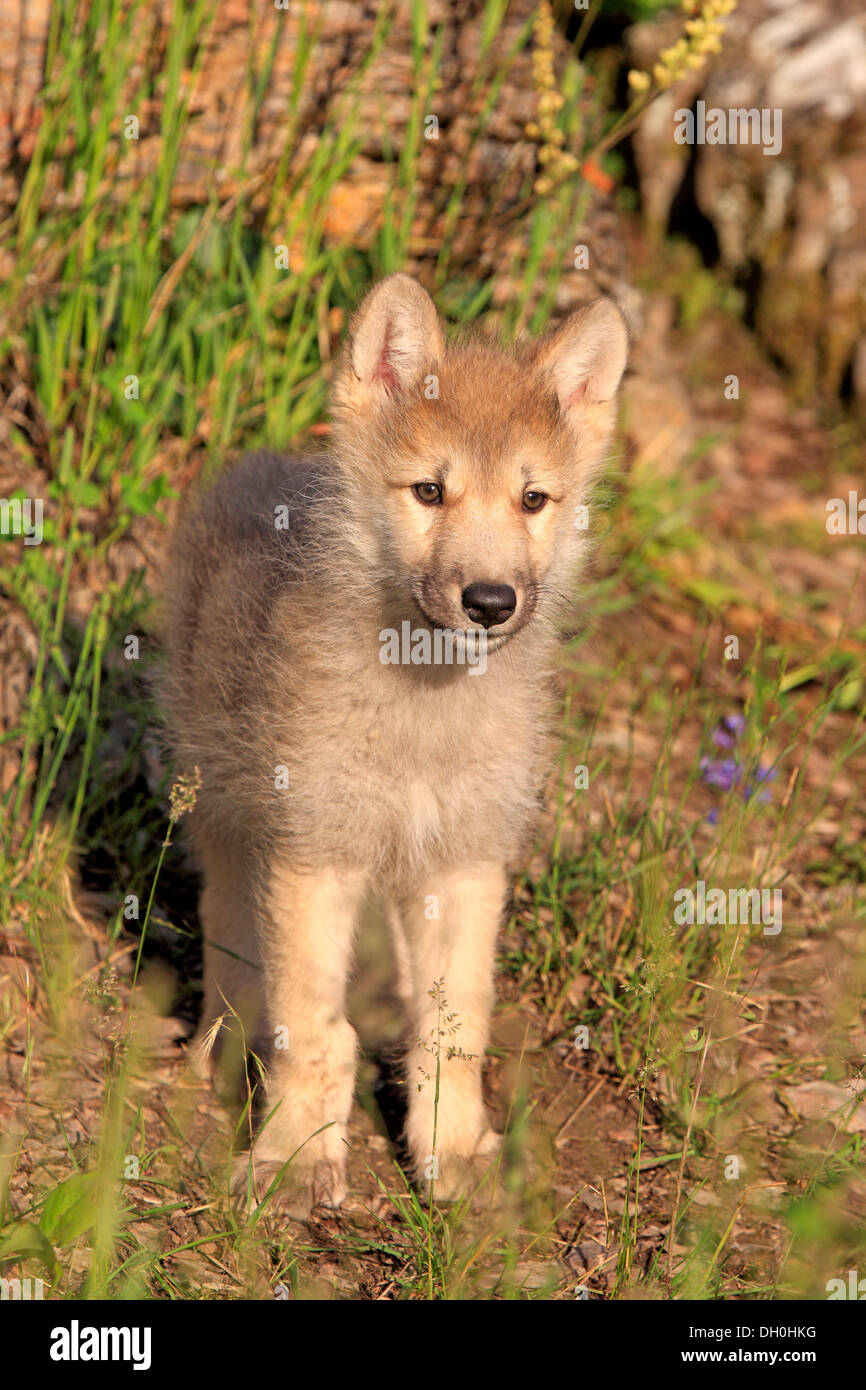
pixel 585 357
pixel 394 339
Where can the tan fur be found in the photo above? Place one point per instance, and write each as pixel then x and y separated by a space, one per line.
pixel 416 785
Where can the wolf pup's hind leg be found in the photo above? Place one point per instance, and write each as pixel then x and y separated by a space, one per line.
pixel 233 977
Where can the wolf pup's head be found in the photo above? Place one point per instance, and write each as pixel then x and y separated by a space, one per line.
pixel 468 466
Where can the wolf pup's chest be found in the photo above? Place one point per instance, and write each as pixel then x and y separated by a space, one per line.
pixel 419 775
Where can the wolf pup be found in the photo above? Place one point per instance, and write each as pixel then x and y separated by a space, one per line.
pixel 359 652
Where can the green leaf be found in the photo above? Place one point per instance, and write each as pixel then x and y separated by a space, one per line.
pixel 850 693
pixel 802 675
pixel 24 1241
pixel 70 1210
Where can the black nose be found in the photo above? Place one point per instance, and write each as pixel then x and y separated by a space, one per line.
pixel 489 603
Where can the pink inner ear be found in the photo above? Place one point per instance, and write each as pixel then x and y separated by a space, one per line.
pixel 385 371
pixel 576 395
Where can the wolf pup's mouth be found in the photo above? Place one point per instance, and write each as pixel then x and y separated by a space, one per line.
pixel 476 641
pixel 472 634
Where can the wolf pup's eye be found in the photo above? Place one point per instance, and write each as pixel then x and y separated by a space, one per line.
pixel 534 501
pixel 428 493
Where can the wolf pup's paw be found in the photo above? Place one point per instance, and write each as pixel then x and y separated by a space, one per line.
pixel 458 1175
pixel 301 1187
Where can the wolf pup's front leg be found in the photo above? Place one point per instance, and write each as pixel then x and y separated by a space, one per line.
pixel 307 926
pixel 450 928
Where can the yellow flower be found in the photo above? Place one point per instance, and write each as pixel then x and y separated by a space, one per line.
pixel 639 81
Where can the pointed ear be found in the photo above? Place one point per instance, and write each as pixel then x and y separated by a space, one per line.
pixel 585 357
pixel 395 337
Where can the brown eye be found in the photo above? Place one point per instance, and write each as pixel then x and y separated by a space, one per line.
pixel 534 501
pixel 428 493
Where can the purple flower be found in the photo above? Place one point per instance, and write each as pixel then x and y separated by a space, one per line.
pixel 765 774
pixel 724 773
pixel 761 774
pixel 730 774
pixel 728 731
